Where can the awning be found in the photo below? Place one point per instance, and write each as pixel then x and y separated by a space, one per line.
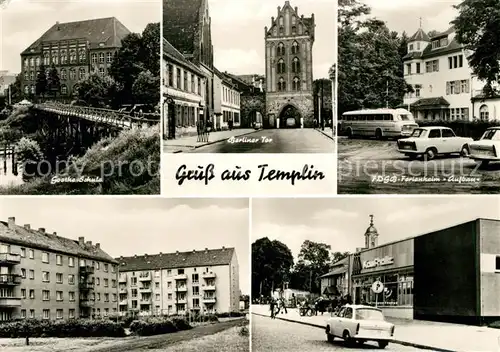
pixel 331 290
pixel 430 103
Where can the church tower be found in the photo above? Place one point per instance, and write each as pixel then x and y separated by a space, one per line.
pixel 289 69
pixel 371 235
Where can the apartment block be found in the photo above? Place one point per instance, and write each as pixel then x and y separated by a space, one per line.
pixel 46 276
pixel 204 281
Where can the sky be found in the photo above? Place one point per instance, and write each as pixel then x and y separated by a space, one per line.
pixel 24 21
pixel 342 222
pixel 238 33
pixel 404 15
pixel 128 226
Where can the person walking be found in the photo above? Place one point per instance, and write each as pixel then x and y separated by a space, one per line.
pixel 272 306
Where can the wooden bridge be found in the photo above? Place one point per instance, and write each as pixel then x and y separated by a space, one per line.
pixel 107 117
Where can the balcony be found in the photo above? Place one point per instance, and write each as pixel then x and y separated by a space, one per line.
pixel 86 303
pixel 86 285
pixel 145 289
pixel 209 287
pixel 145 277
pixel 122 290
pixel 123 302
pixel 10 279
pixel 122 279
pixel 209 300
pixel 182 300
pixel 9 258
pixel 144 301
pixel 181 277
pixel 10 302
pixel 87 269
pixel 182 288
pixel 209 275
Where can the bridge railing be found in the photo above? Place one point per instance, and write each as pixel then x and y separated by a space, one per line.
pixel 101 115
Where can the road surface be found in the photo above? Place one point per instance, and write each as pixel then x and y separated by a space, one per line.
pixel 304 140
pixel 278 335
pixel 372 166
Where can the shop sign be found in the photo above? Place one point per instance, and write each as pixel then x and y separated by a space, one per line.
pixel 369 264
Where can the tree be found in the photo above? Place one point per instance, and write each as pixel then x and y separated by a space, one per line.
pixel 95 90
pixel 478 29
pixel 41 81
pixel 146 88
pixel 151 48
pixel 16 92
pixel 314 261
pixel 271 265
pixel 370 70
pixel 53 81
pixel 337 256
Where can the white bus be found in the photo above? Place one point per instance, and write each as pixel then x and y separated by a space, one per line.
pixel 378 123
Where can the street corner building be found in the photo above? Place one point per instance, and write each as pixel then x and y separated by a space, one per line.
pixel 204 281
pixel 76 49
pixel 444 86
pixel 46 276
pixel 449 275
pixel 289 69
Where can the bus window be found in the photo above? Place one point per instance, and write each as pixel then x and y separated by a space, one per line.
pixel 379 117
pixel 405 117
pixel 388 117
pixel 370 117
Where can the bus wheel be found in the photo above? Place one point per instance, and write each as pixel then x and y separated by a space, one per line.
pixel 349 133
pixel 378 133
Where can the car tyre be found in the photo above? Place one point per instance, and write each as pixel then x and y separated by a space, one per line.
pixel 329 337
pixel 347 338
pixel 382 344
pixel 464 152
pixel 378 134
pixel 430 154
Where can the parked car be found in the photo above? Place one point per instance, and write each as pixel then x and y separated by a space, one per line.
pixel 359 324
pixel 487 148
pixel 431 141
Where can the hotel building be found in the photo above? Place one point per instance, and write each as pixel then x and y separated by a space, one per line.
pixel 444 87
pixel 76 49
pixel 45 276
pixel 204 281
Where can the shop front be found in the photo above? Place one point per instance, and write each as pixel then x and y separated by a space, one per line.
pixel 392 265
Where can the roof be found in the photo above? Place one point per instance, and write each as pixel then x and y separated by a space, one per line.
pixel 429 52
pixel 376 111
pixel 172 53
pixel 308 22
pixel 23 236
pixel 419 35
pixel 108 30
pixel 339 267
pixel 424 102
pixel 206 257
pixel 181 20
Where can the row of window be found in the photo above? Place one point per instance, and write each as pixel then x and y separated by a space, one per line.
pixel 456 61
pixel 230 116
pixel 63 57
pixel 281 66
pixel 30 89
pixel 60 313
pixel 295 84
pixel 60 279
pixel 195 281
pixel 281 50
pixel 63 73
pixel 230 96
pixel 30 294
pixel 457 87
pixel 183 80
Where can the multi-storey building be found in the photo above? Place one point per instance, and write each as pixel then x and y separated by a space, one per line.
pixel 289 69
pixel 184 89
pixel 187 27
pixel 226 101
pixel 76 49
pixel 45 276
pixel 444 87
pixel 6 79
pixel 336 281
pixel 205 281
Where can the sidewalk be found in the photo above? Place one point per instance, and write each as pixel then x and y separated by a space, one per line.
pixel 328 132
pixel 191 142
pixel 417 333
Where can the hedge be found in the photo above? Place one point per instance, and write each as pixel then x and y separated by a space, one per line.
pixel 231 315
pixel 157 326
pixel 61 328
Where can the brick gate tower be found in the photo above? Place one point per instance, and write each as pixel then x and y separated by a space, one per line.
pixel 289 67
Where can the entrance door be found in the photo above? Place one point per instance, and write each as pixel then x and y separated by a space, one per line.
pixel 171 121
pixel 289 117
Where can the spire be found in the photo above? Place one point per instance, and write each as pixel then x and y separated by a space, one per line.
pixel 371 220
pixel 420 26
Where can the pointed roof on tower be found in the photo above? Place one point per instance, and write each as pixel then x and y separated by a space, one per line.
pixel 371 230
pixel 419 36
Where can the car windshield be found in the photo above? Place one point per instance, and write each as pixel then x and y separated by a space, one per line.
pixel 369 314
pixel 493 135
pixel 419 133
pixel 405 117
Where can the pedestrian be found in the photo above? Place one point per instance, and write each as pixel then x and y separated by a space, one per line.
pixel 272 305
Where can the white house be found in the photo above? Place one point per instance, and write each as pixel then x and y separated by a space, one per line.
pixel 227 101
pixel 184 100
pixel 443 83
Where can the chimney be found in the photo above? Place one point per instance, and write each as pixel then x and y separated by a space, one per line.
pixel 41 229
pixel 89 243
pixel 296 9
pixel 121 257
pixel 135 255
pixel 160 254
pixel 81 241
pixel 98 245
pixel 58 26
pixel 54 233
pixel 27 226
pixel 302 17
pixel 176 252
pixel 145 255
pixel 272 19
pixel 279 10
pixel 206 250
pixel 223 248
pixel 194 250
pixel 12 222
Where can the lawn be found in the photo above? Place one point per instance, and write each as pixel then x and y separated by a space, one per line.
pixel 56 344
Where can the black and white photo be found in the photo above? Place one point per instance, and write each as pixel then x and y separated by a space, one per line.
pixel 80 97
pixel 248 76
pixel 418 98
pixel 401 274
pixel 124 274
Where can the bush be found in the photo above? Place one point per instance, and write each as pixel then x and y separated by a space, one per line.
pixel 28 150
pixel 61 328
pixel 157 326
pixel 231 315
pixel 126 321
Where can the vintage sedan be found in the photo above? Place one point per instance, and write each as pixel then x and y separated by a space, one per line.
pixel 358 324
pixel 431 141
pixel 487 148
